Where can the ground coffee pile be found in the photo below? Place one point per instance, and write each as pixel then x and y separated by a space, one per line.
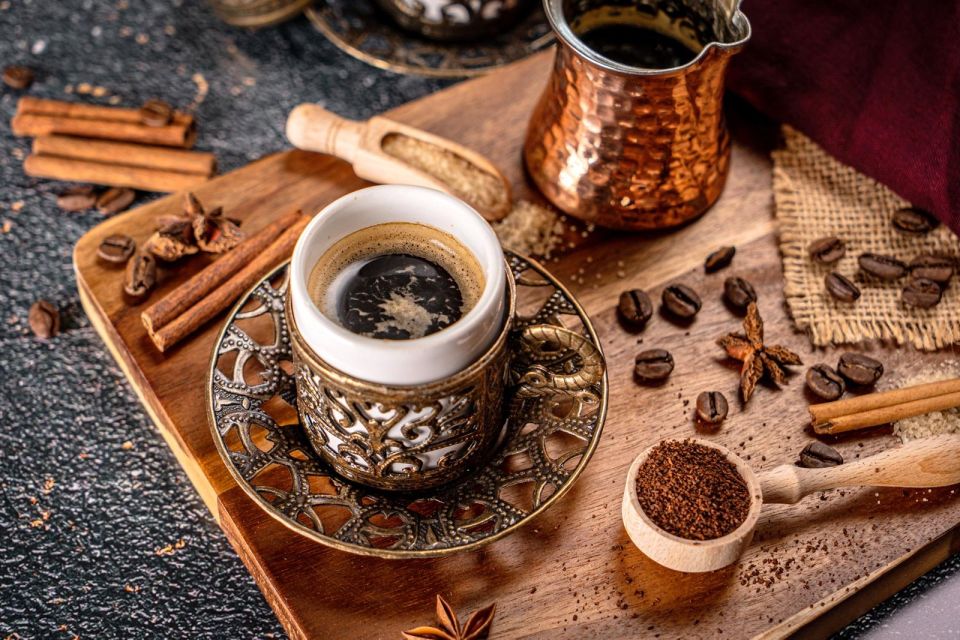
pixel 692 491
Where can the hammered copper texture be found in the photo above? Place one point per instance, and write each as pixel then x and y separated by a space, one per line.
pixel 636 152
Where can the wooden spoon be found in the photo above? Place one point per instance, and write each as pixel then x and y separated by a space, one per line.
pixel 313 128
pixel 928 462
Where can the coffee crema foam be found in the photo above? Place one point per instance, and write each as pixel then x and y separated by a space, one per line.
pixel 396 280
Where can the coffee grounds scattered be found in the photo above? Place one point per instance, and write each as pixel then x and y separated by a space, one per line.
pixel 692 491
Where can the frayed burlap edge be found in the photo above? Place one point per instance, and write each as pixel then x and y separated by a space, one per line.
pixel 815 195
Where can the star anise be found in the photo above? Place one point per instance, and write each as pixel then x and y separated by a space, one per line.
pixel 214 232
pixel 173 240
pixel 476 627
pixel 758 359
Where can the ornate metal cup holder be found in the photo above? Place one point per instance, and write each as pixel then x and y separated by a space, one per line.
pixel 552 431
pixel 367 33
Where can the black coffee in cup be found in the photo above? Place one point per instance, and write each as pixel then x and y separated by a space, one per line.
pixel 396 281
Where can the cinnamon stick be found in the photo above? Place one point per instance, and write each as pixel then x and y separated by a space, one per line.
pixel 135 155
pixel 221 297
pixel 115 175
pixel 201 284
pixel 884 415
pixel 827 410
pixel 48 107
pixel 176 134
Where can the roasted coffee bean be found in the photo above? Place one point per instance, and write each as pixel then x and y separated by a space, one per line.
pixel 880 266
pixel 936 268
pixel 653 365
pixel 711 407
pixel 841 288
pixel 914 220
pixel 824 382
pixel 681 301
pixel 827 250
pixel 921 293
pixel 738 292
pixel 116 249
pixel 859 369
pixel 78 198
pixel 44 319
pixel 635 308
pixel 817 455
pixel 115 200
pixel 141 277
pixel 156 113
pixel 719 259
pixel 18 77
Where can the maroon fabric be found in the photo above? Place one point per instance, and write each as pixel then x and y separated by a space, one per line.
pixel 875 82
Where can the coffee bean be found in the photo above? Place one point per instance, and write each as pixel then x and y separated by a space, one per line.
pixel 936 268
pixel 738 292
pixel 817 455
pixel 827 250
pixel 115 200
pixel 922 293
pixel 859 369
pixel 719 259
pixel 681 301
pixel 711 407
pixel 824 382
pixel 841 288
pixel 156 113
pixel 880 266
pixel 141 277
pixel 78 198
pixel 653 365
pixel 635 308
pixel 116 249
pixel 914 220
pixel 44 319
pixel 18 77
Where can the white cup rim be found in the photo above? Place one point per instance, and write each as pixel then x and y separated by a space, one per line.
pixel 418 360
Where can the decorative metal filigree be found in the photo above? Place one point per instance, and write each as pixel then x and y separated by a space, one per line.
pixel 557 403
pixel 401 438
pixel 366 33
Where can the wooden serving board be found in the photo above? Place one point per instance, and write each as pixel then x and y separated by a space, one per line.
pixel 573 573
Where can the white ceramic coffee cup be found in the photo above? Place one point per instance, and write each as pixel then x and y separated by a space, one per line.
pixel 400 362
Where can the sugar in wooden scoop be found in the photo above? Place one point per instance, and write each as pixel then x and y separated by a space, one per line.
pixel 692 491
pixel 479 188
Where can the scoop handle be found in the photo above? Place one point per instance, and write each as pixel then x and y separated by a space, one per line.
pixel 312 128
pixel 928 462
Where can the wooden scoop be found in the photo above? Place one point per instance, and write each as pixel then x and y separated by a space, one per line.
pixel 313 128
pixel 929 462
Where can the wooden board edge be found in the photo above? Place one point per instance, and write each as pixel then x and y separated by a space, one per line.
pixel 288 619
pixel 107 333
pixel 829 615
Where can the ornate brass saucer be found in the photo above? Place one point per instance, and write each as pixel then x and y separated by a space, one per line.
pixel 550 435
pixel 365 32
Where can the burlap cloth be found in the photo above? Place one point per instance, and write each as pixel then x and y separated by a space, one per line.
pixel 816 196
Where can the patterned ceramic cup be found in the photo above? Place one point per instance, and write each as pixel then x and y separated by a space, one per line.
pixel 401 414
pixel 456 19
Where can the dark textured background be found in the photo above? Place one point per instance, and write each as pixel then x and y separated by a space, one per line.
pixel 89 490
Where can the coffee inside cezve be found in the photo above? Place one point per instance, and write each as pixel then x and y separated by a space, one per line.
pixel 637 38
pixel 396 281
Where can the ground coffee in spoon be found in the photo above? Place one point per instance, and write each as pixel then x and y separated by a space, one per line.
pixel 692 491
